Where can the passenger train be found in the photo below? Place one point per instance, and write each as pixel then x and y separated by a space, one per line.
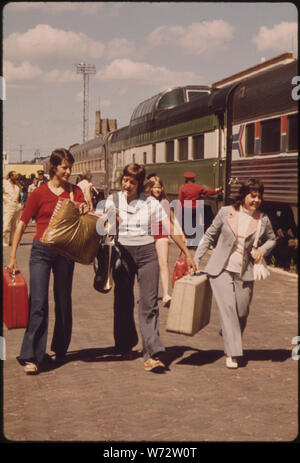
pixel 227 132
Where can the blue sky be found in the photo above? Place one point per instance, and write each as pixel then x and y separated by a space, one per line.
pixel 138 48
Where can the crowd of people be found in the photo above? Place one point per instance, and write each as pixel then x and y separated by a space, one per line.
pixel 144 222
pixel 16 190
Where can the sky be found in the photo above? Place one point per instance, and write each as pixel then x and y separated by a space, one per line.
pixel 138 49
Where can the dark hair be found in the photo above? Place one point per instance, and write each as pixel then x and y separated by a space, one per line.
pixel 151 175
pixel 11 174
pixel 56 158
pixel 137 172
pixel 252 184
pixel 150 184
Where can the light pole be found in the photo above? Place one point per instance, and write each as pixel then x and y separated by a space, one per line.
pixel 85 70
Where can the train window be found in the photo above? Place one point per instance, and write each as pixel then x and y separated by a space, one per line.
pixel 133 157
pixel 292 132
pixel 171 99
pixel 154 153
pixel 270 136
pixel 193 95
pixel 170 151
pixel 144 157
pixel 250 138
pixel 183 146
pixel 198 147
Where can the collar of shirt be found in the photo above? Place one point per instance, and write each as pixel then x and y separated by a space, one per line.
pixel 134 206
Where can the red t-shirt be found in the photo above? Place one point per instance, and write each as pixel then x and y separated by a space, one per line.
pixel 193 191
pixel 41 204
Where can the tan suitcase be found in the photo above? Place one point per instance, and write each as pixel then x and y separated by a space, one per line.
pixel 190 306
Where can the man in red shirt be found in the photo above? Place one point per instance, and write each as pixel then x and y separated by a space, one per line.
pixel 189 195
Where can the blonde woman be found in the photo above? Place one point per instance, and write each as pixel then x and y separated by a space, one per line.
pixel 156 189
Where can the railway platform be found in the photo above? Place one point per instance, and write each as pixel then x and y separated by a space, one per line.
pixel 94 396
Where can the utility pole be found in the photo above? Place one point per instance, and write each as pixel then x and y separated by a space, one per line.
pixel 21 153
pixel 85 70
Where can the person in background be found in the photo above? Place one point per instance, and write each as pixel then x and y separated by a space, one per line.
pixel 32 187
pixel 41 178
pixel 43 259
pixel 155 188
pixel 86 186
pixel 153 174
pixel 135 254
pixel 79 178
pixel 11 207
pixel 230 268
pixel 188 195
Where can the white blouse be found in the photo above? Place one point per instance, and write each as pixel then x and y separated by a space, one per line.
pixel 135 218
pixel 235 260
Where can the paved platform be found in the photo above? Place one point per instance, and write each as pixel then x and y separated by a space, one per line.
pixel 94 396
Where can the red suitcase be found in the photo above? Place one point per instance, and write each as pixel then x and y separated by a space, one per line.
pixel 15 300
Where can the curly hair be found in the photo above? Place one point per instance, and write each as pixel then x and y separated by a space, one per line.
pixel 252 184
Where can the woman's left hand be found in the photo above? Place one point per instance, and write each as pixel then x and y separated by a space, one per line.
pixel 257 255
pixel 191 264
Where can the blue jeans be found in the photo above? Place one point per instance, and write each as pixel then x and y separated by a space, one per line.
pixel 42 260
pixel 142 261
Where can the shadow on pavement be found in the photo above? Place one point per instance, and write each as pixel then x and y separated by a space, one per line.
pixel 198 357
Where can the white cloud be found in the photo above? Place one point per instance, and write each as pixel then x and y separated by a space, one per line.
pixel 197 38
pixel 120 48
pixel 27 74
pixel 125 69
pixel 282 37
pixel 47 46
pixel 60 77
pixel 20 74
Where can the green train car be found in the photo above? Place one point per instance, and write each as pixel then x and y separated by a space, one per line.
pixel 224 134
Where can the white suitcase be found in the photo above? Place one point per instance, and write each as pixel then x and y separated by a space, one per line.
pixel 190 306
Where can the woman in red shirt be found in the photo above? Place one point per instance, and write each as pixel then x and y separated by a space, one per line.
pixel 41 205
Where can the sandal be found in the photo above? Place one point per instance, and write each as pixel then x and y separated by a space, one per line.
pixel 31 368
pixel 151 364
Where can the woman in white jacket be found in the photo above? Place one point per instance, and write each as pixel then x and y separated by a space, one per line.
pixel 230 268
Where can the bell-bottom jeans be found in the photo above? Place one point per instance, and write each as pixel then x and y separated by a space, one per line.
pixel 42 260
pixel 142 261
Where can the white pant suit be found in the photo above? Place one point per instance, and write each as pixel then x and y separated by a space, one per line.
pixel 230 268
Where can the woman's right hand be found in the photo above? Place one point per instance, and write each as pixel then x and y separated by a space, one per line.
pixel 12 265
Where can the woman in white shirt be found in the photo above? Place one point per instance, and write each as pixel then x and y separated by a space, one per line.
pixel 230 267
pixel 135 254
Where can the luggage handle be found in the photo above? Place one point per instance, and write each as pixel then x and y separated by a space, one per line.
pixel 12 273
pixel 196 274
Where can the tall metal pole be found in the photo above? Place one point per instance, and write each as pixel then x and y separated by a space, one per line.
pixel 85 70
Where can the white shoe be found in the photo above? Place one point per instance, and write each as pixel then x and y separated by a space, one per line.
pixel 166 301
pixel 31 368
pixel 5 245
pixel 231 362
